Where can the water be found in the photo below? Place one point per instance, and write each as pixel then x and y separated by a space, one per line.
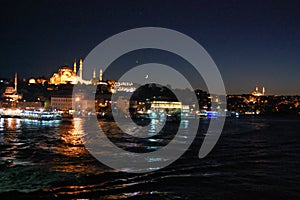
pixel 255 158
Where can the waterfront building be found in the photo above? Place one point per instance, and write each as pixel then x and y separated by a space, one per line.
pixel 63 102
pixel 123 87
pixel 162 105
pixel 66 75
pixel 30 105
pixel 12 92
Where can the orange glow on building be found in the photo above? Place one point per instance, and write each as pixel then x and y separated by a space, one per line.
pixel 256 92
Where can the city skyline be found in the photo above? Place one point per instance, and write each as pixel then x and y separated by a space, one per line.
pixel 252 44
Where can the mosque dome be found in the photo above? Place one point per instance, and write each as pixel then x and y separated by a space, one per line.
pixel 64 75
pixel 65 68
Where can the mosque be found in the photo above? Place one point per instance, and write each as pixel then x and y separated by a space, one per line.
pixel 257 93
pixel 66 75
pixel 12 92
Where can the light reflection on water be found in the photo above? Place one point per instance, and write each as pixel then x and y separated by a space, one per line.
pixel 9 130
pixel 49 156
pixel 72 139
pixel 10 124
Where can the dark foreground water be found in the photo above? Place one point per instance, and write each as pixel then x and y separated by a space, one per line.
pixel 255 158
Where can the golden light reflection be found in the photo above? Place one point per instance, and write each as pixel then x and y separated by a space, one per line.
pixel 71 139
pixel 10 123
pixel 71 149
pixel 10 126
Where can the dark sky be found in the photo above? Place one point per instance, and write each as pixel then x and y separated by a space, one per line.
pixel 252 42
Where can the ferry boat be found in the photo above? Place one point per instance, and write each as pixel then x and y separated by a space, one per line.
pixel 10 113
pixel 40 115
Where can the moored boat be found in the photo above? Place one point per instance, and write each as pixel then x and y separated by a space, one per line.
pixel 40 115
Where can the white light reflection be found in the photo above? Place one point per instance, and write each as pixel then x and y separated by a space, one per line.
pixel 184 124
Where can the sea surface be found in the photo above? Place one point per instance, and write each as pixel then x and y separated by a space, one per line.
pixel 255 158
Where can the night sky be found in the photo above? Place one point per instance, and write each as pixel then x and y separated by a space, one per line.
pixel 252 43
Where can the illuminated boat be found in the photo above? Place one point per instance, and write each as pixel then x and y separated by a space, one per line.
pixel 10 113
pixel 208 114
pixel 40 115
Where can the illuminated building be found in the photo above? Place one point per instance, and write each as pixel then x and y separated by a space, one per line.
pixel 36 105
pixel 61 102
pixel 94 80
pixel 64 75
pixel 162 105
pixel 256 92
pixel 100 75
pixel 74 66
pixel 123 87
pixel 40 80
pixel 32 81
pixel 77 104
pixel 80 69
pixel 12 92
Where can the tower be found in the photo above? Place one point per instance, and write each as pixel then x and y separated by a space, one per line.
pixel 256 89
pixel 94 74
pixel 75 66
pixel 100 76
pixel 263 90
pixel 16 82
pixel 80 68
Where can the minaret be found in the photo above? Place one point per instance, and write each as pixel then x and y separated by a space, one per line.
pixel 263 90
pixel 100 76
pixel 16 82
pixel 75 66
pixel 256 89
pixel 94 74
pixel 80 68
